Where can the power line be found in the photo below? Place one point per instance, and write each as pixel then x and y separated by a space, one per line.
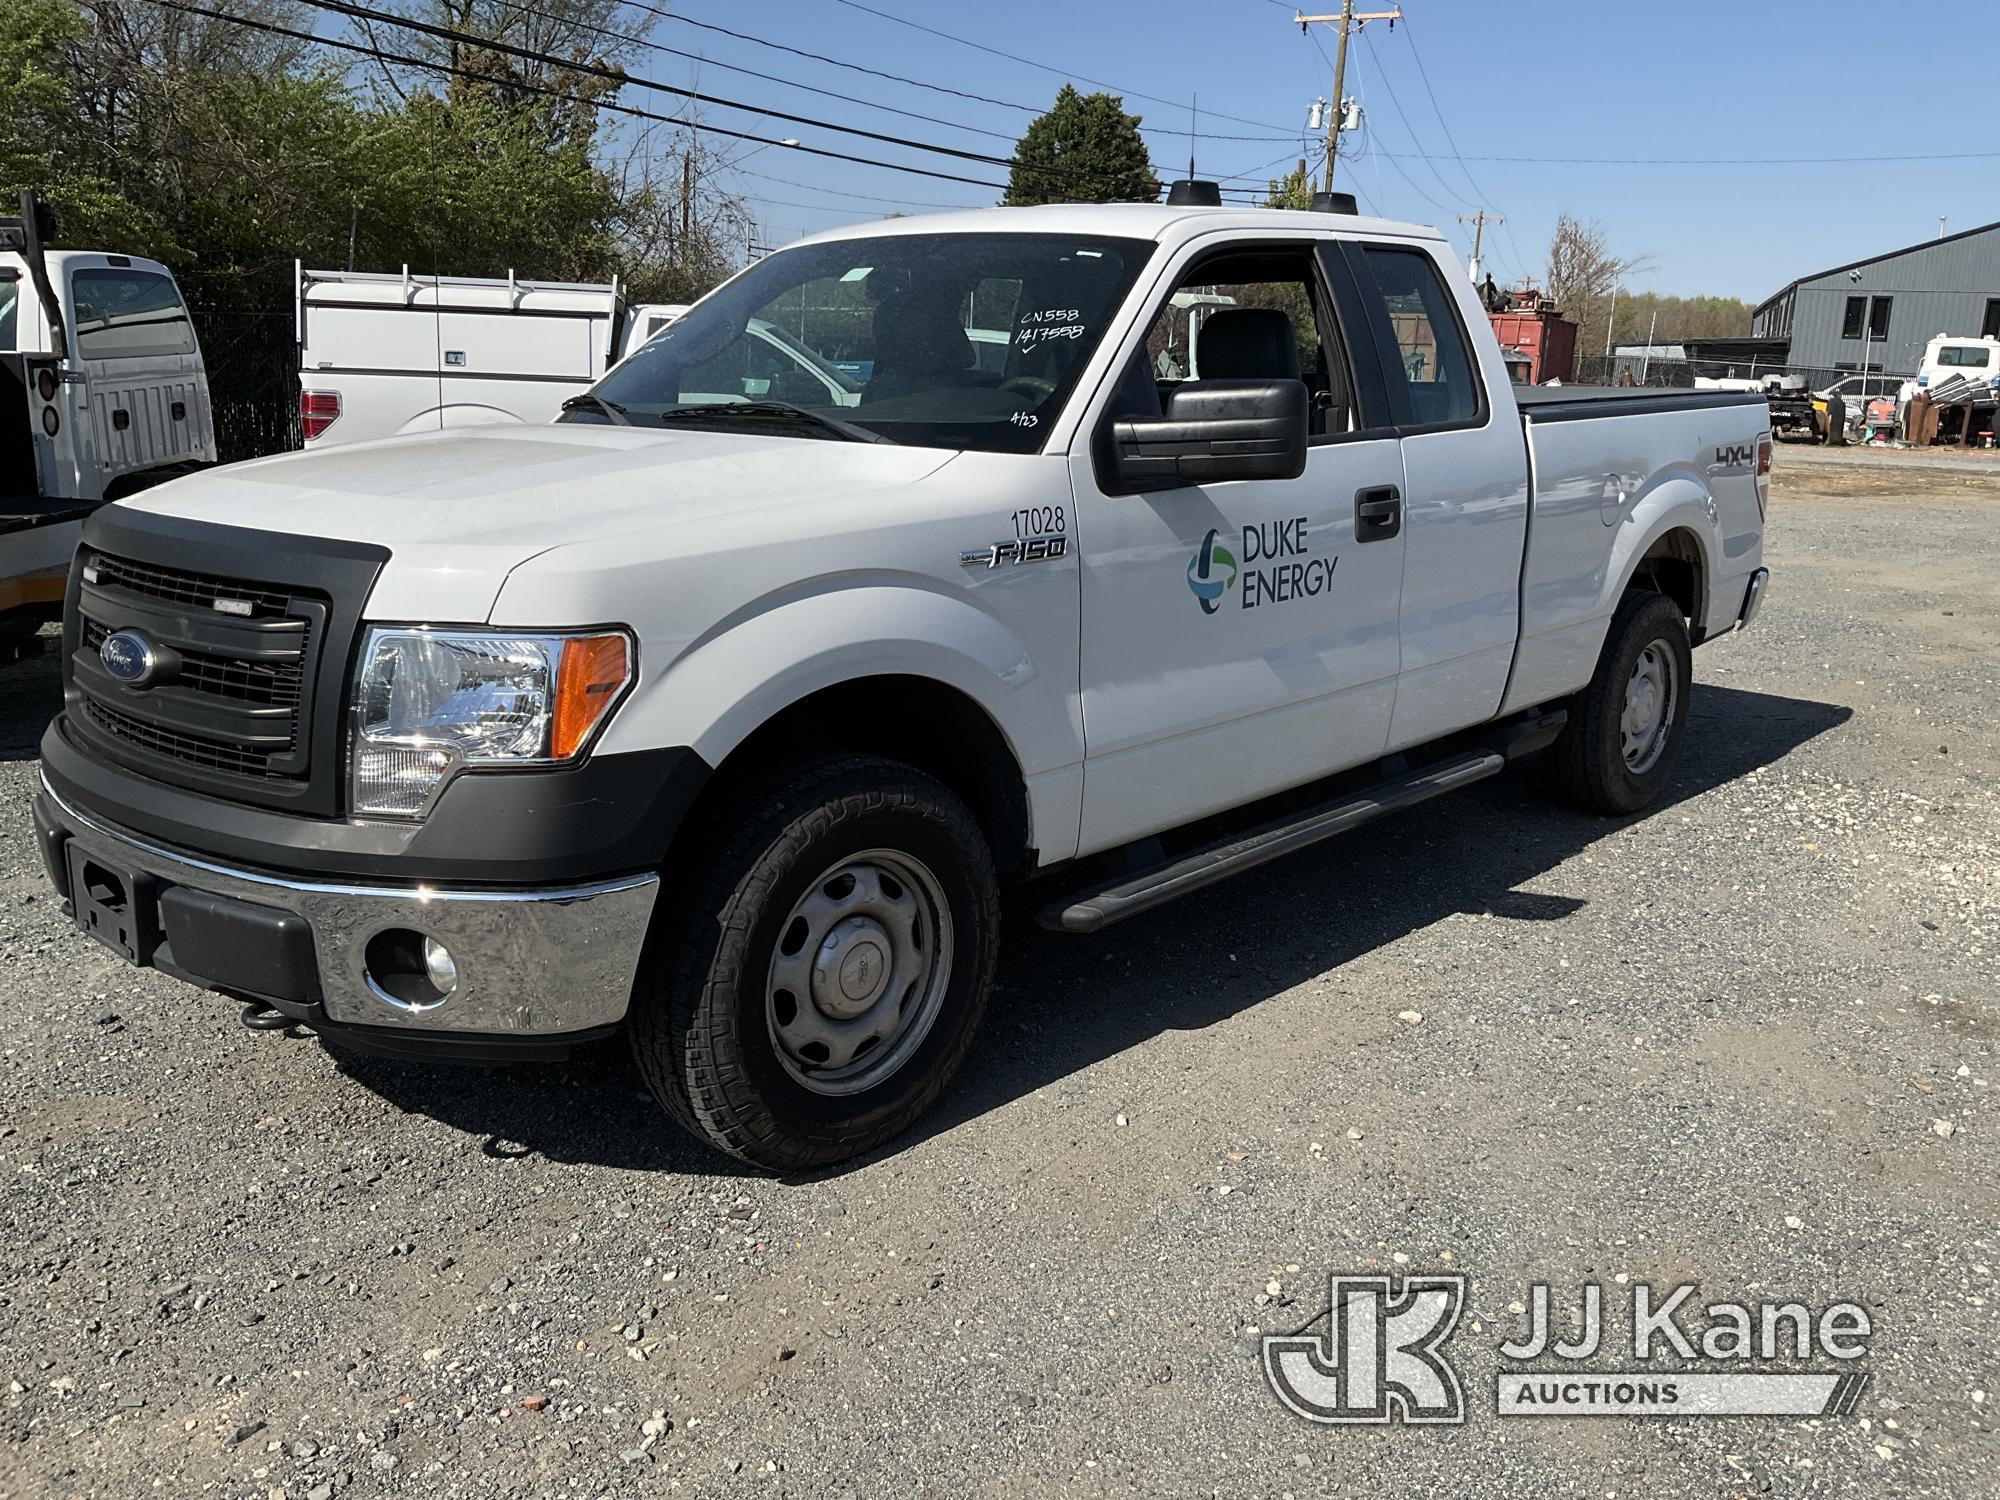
pixel 814 187
pixel 790 83
pixel 1445 125
pixel 1726 161
pixel 1415 139
pixel 937 88
pixel 741 36
pixel 622 76
pixel 524 86
pixel 617 76
pixel 1030 62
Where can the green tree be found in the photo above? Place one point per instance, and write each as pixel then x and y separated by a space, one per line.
pixel 1086 149
pixel 1294 191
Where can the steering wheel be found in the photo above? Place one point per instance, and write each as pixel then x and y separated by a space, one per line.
pixel 1033 387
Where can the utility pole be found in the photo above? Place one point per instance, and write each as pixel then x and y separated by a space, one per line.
pixel 1479 221
pixel 1348 20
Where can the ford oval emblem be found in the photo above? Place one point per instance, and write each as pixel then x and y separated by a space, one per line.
pixel 129 657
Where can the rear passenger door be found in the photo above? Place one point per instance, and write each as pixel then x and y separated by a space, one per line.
pixel 1465 493
pixel 1238 638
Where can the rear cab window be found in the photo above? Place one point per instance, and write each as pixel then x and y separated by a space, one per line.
pixel 127 313
pixel 1435 381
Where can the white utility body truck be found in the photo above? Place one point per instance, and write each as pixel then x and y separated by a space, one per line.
pixel 721 722
pixel 381 354
pixel 102 393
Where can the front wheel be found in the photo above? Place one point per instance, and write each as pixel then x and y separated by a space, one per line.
pixel 1624 730
pixel 829 970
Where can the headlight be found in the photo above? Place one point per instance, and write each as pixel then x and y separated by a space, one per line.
pixel 429 702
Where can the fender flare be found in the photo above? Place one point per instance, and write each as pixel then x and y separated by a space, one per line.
pixel 1677 499
pixel 724 686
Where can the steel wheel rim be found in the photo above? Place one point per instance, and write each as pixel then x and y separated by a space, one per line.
pixel 1652 695
pixel 859 973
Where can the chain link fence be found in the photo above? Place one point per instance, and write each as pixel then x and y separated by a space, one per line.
pixel 1663 370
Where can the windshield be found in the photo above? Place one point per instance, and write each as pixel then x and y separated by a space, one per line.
pixel 1958 354
pixel 938 340
pixel 10 305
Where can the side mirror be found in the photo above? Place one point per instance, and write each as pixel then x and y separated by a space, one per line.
pixel 1214 430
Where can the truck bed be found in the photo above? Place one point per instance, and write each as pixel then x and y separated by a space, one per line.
pixel 1601 485
pixel 1568 403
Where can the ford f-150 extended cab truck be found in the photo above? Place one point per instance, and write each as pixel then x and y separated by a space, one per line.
pixel 718 711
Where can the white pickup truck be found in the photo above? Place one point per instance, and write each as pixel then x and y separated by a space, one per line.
pixel 384 354
pixel 721 723
pixel 102 393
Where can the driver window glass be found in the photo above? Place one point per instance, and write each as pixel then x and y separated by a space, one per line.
pixel 1207 311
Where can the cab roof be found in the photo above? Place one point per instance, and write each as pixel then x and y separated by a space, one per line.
pixel 1149 221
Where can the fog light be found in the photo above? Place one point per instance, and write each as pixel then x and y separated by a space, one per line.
pixel 409 970
pixel 438 964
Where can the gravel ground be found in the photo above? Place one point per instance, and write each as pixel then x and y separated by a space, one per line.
pixel 1746 1040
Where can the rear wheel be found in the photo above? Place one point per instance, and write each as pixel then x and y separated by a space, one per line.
pixel 829 967
pixel 1625 728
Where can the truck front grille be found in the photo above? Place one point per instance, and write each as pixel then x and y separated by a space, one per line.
pixel 195 750
pixel 198 589
pixel 246 680
pixel 235 703
pixel 251 633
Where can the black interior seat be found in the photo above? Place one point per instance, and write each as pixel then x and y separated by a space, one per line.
pixel 1247 343
pixel 920 345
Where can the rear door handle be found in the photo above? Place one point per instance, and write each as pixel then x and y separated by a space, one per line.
pixel 1378 513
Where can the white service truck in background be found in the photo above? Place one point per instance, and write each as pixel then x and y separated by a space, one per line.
pixel 721 722
pixel 102 393
pixel 382 354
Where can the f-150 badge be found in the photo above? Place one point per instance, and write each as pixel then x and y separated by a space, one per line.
pixel 1017 550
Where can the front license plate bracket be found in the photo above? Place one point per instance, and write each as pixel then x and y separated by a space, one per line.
pixel 120 908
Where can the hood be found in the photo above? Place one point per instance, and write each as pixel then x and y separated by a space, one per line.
pixel 459 510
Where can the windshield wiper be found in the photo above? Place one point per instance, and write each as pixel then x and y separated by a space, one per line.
pixel 778 411
pixel 589 402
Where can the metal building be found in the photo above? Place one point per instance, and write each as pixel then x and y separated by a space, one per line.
pixel 1878 314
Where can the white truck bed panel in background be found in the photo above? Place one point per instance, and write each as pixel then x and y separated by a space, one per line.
pixel 406 353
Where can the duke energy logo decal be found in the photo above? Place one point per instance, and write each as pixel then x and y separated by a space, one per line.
pixel 1211 573
pixel 1273 564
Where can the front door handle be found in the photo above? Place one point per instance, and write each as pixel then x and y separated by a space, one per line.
pixel 1378 513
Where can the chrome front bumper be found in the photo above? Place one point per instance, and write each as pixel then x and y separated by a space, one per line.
pixel 530 963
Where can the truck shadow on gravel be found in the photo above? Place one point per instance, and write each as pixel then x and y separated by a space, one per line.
pixel 1065 1002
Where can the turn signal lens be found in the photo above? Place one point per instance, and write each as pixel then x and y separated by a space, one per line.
pixel 45 384
pixel 594 671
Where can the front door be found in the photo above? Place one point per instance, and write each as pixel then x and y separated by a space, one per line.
pixel 1238 638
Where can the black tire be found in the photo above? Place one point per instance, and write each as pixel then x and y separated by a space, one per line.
pixel 700 1029
pixel 1588 764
